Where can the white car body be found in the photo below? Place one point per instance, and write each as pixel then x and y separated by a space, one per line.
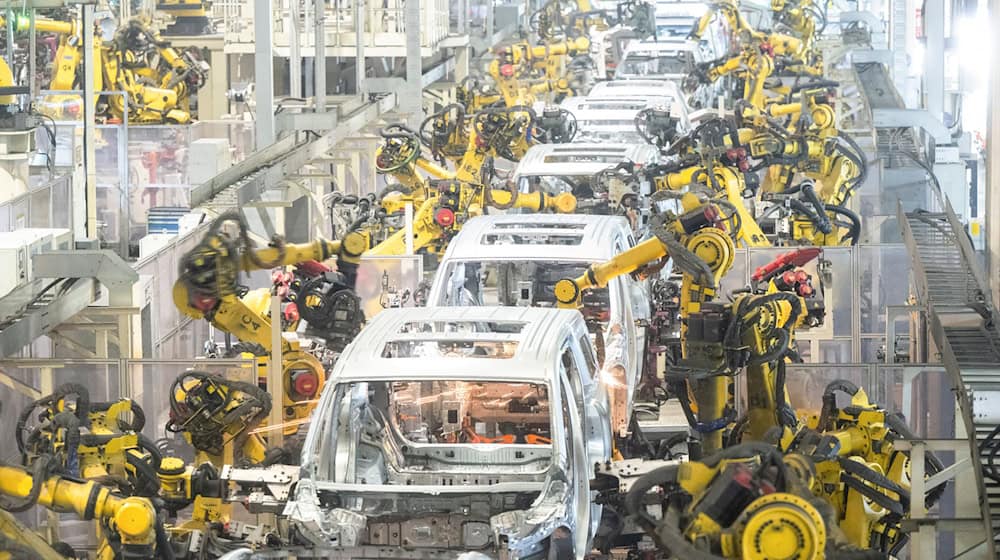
pixel 515 260
pixel 670 61
pixel 658 93
pixel 403 457
pixel 556 168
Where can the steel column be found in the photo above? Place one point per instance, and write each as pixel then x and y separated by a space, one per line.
pixel 993 166
pixel 410 100
pixel 89 118
pixel 934 58
pixel 264 71
pixel 294 52
pixel 319 57
pixel 359 47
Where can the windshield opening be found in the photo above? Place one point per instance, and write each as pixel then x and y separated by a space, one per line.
pixel 653 65
pixel 436 432
pixel 626 134
pixel 519 283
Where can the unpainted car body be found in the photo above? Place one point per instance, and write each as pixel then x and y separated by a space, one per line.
pixel 656 93
pixel 671 61
pixel 609 118
pixel 447 430
pixel 555 168
pixel 516 261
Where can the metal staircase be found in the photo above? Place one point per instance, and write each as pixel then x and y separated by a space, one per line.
pixel 964 324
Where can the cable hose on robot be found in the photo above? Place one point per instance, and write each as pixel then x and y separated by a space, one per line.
pixel 657 477
pixel 147 483
pixel 779 347
pixel 734 332
pixel 684 259
pixel 248 245
pixel 163 547
pixel 874 478
pixel 854 233
pixel 669 536
pixel 82 408
pixel 822 221
pixel 666 533
pixel 429 141
pixel 829 401
pixel 513 191
pixel 138 415
pixel 693 422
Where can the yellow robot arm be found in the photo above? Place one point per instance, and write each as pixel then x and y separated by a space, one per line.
pixel 729 185
pixel 437 218
pixel 18 541
pixel 207 286
pixel 133 519
pixel 700 249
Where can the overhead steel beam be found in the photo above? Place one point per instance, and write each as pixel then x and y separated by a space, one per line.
pixel 43 4
pixel 319 56
pixel 433 74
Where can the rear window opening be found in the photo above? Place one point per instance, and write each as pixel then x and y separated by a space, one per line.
pixel 519 283
pixel 427 431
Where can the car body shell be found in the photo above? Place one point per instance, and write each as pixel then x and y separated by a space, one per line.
pixel 655 93
pixel 526 238
pixel 337 501
pixel 683 56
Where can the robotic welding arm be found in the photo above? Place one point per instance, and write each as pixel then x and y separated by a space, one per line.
pixel 125 522
pixel 207 287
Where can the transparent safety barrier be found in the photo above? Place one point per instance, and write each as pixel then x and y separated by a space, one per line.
pixel 166 332
pixel 858 282
pixel 47 203
pixel 143 173
pixel 20 385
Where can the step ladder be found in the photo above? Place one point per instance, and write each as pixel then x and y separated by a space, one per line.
pixel 952 288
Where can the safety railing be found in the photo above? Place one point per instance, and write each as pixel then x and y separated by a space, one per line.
pixel 383 25
pixel 46 204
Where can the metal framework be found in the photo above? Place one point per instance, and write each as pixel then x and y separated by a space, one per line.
pixel 963 323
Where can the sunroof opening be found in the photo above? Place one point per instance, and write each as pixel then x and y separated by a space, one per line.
pixel 472 327
pixel 532 239
pixel 529 225
pixel 457 348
